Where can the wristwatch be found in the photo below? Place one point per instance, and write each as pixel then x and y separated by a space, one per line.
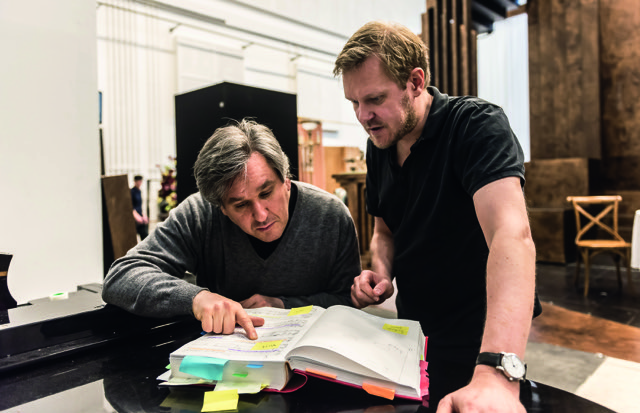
pixel 512 367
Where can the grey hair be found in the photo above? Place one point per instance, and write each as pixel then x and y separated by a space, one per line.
pixel 225 155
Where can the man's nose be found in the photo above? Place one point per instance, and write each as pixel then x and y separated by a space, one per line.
pixel 260 212
pixel 364 114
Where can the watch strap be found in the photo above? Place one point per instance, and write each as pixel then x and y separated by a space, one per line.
pixel 495 360
pixel 490 359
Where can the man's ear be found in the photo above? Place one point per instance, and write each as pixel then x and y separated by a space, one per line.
pixel 416 81
pixel 287 182
pixel 224 211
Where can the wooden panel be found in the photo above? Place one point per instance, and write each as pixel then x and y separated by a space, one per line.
pixel 558 70
pixel 550 181
pixel 553 232
pixel 563 76
pixel 545 147
pixel 591 92
pixel 465 40
pixel 434 41
pixel 473 56
pixel 454 50
pixel 573 100
pixel 536 117
pixel 620 77
pixel 621 172
pixel 119 211
pixel 443 23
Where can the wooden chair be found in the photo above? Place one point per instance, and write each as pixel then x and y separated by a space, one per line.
pixel 605 227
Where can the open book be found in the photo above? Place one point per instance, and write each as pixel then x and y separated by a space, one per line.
pixel 385 357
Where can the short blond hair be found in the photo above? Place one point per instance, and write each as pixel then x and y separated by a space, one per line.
pixel 399 49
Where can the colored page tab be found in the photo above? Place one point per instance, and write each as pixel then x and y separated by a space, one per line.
pixel 254 366
pixel 266 345
pixel 215 401
pixel 379 391
pixel 209 368
pixel 242 388
pixel 321 373
pixel 300 310
pixel 396 329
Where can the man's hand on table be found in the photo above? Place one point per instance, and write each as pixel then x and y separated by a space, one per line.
pixel 488 391
pixel 219 314
pixel 259 300
pixel 370 288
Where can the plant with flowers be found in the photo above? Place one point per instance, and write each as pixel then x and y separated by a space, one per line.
pixel 167 195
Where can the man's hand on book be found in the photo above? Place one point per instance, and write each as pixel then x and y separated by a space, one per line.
pixel 219 314
pixel 259 300
pixel 370 288
pixel 488 391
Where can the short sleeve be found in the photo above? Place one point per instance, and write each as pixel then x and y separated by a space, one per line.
pixel 488 150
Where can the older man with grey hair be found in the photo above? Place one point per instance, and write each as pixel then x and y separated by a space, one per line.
pixel 252 236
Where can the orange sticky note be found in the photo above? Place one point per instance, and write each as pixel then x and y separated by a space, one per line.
pixel 379 391
pixel 321 373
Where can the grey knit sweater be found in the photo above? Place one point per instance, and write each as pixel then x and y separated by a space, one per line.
pixel 314 263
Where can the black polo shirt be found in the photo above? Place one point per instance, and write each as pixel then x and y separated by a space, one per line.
pixel 440 251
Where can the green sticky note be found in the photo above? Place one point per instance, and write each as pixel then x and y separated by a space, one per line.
pixel 241 374
pixel 168 367
pixel 396 329
pixel 209 368
pixel 215 401
pixel 242 388
pixel 300 310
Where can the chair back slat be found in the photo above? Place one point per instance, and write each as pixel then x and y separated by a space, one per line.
pixel 610 204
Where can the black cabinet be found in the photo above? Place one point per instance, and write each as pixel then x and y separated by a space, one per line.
pixel 200 112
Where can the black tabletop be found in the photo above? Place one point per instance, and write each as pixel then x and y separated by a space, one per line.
pixel 123 375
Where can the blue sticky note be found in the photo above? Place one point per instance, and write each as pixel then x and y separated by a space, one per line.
pixel 254 366
pixel 208 368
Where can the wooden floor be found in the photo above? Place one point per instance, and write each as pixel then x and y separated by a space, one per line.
pixel 585 332
pixel 607 321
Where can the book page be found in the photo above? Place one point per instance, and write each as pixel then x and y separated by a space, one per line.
pixel 389 347
pixel 281 331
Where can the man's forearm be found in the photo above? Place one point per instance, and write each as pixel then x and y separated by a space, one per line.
pixel 510 295
pixel 382 251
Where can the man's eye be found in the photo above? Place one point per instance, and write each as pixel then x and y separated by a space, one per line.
pixel 240 206
pixel 266 194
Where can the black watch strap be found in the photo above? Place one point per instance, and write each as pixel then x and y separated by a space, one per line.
pixel 490 359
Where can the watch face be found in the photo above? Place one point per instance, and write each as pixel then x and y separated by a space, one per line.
pixel 513 366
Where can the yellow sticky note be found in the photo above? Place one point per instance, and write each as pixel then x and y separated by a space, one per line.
pixel 266 345
pixel 215 401
pixel 396 329
pixel 300 310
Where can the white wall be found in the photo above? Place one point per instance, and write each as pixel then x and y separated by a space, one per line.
pixel 503 73
pixel 50 213
pixel 283 45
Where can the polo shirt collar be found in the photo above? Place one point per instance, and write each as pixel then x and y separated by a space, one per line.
pixel 437 115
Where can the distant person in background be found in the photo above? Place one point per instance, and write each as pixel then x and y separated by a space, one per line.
pixel 142 221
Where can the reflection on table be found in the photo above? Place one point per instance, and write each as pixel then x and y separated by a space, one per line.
pixel 122 377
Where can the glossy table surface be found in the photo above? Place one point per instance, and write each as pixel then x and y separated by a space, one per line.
pixel 121 376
